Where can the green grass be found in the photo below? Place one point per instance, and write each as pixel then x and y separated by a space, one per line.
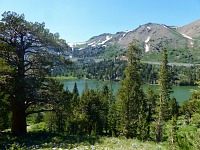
pixel 121 143
pixel 64 78
pixel 45 140
pixel 38 138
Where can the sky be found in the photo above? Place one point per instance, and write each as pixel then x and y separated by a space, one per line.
pixel 79 20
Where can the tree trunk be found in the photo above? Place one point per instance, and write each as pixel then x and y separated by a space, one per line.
pixel 18 119
pixel 18 103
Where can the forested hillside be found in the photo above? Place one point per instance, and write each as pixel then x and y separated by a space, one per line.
pixel 113 70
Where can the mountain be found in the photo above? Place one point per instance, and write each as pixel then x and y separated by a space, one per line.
pixel 192 30
pixel 183 43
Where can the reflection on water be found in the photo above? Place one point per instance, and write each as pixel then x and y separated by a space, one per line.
pixel 181 93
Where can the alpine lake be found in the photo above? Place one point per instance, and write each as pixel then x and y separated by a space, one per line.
pixel 181 93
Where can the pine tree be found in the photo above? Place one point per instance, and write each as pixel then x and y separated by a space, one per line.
pixel 151 97
pixel 92 112
pixel 72 120
pixel 174 107
pixel 5 85
pixel 164 97
pixel 104 99
pixel 75 89
pixel 164 78
pixel 130 104
pixel 111 117
pixel 75 98
pixel 25 48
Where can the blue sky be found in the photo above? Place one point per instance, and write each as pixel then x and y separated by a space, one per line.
pixel 79 20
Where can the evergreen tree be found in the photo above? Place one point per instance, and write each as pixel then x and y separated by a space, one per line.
pixel 165 89
pixel 191 107
pixel 55 93
pixel 174 108
pixel 105 100
pixel 75 98
pixel 165 86
pixel 25 50
pixel 5 86
pixel 151 97
pixel 130 104
pixel 74 106
pixel 111 117
pixel 92 111
pixel 75 90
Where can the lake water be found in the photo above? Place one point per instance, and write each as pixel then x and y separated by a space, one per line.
pixel 181 93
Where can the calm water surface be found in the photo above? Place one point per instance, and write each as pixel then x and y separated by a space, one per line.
pixel 181 93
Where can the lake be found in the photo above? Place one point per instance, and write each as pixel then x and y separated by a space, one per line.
pixel 181 93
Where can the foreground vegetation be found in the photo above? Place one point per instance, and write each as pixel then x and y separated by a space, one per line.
pixel 45 140
pixel 39 138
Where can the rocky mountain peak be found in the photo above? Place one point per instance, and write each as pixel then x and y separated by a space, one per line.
pixel 152 38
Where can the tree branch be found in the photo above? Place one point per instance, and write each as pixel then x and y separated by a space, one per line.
pixel 38 111
pixel 30 52
pixel 29 104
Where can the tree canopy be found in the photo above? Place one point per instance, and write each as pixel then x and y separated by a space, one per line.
pixel 130 97
pixel 25 46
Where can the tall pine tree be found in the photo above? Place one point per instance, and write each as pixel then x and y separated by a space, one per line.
pixel 162 109
pixel 130 104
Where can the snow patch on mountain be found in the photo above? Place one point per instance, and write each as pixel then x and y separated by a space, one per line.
pixel 107 39
pixel 165 26
pixel 128 31
pixel 149 28
pixel 146 46
pixel 187 36
pixel 147 40
pixel 92 43
pixel 71 44
pixel 192 44
pixel 125 34
pixel 80 43
pixel 75 44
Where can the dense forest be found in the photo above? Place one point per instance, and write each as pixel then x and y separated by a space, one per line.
pixel 29 96
pixel 113 70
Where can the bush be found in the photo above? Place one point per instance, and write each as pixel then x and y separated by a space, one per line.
pixel 38 127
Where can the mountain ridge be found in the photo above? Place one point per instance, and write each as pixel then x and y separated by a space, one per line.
pixel 151 37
